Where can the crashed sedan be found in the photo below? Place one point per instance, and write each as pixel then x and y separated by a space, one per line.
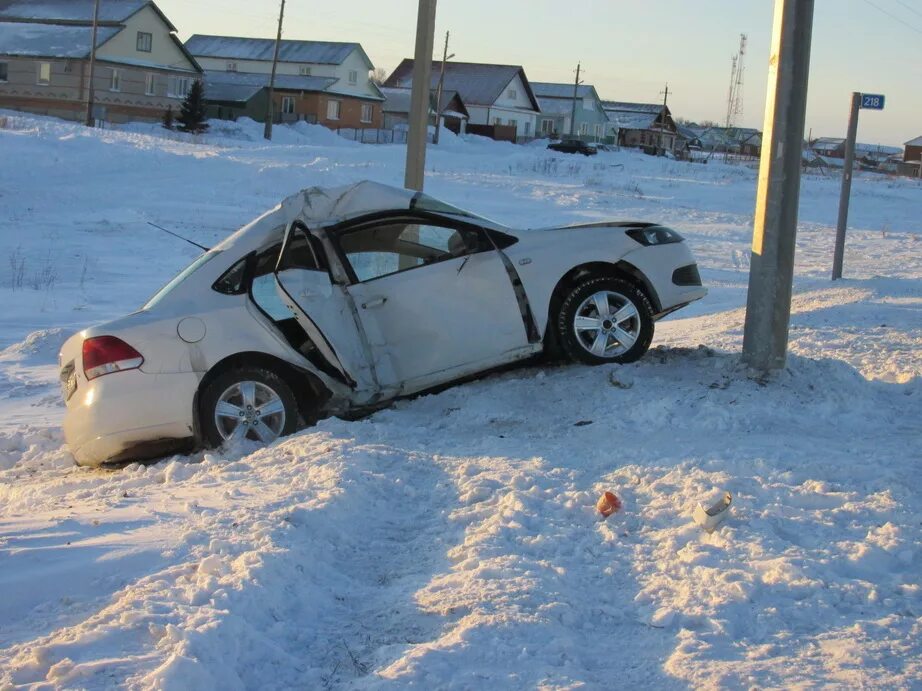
pixel 342 299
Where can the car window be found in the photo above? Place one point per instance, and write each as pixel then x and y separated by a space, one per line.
pixel 262 288
pixel 381 250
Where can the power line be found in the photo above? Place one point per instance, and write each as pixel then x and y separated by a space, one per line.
pixel 893 16
pixel 910 8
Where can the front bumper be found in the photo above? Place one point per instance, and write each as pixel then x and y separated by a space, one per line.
pixel 659 264
pixel 128 415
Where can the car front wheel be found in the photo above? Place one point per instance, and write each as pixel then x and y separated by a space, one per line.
pixel 249 403
pixel 605 320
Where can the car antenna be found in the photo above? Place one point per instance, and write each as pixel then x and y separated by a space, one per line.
pixel 177 235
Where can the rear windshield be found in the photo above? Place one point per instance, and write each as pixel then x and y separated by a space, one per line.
pixel 180 277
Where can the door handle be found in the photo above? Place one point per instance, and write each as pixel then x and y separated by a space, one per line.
pixel 374 302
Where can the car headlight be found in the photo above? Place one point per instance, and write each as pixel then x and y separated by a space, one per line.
pixel 654 235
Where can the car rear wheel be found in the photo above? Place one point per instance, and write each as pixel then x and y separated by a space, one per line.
pixel 605 320
pixel 248 403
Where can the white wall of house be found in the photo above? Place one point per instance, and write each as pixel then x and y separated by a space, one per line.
pixel 355 62
pixel 164 51
pixel 514 96
pixel 525 121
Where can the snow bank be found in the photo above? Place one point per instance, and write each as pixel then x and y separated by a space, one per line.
pixel 452 540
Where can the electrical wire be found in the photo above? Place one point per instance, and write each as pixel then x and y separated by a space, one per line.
pixel 893 16
pixel 909 7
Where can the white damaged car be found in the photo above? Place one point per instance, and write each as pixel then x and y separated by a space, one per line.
pixel 339 300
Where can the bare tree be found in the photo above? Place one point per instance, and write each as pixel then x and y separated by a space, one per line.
pixel 378 76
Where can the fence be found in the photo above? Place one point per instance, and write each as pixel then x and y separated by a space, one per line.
pixel 371 135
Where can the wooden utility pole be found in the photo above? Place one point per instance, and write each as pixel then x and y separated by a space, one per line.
pixel 90 91
pixel 438 92
pixel 267 132
pixel 771 274
pixel 419 97
pixel 839 252
pixel 575 96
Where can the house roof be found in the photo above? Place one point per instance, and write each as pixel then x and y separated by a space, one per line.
pixel 625 107
pixel 556 107
pixel 50 40
pixel 555 90
pixel 397 100
pixel 240 87
pixel 69 11
pixel 914 142
pixel 477 84
pixel 242 48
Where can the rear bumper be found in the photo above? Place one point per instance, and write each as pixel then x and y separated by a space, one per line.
pixel 128 415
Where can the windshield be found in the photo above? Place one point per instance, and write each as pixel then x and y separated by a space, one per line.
pixel 182 276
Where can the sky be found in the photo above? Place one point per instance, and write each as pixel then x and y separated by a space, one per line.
pixel 629 50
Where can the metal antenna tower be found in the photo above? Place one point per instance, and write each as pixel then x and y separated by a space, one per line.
pixel 737 74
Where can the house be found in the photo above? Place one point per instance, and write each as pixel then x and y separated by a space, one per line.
pixel 743 141
pixel 492 94
pixel 829 147
pixel 141 67
pixel 317 81
pixel 397 109
pixel 557 101
pixel 912 150
pixel 646 125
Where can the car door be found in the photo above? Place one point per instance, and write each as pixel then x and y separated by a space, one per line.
pixel 322 308
pixel 435 299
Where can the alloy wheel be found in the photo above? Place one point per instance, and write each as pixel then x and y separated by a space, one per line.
pixel 249 410
pixel 607 324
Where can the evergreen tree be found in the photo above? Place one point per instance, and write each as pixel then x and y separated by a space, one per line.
pixel 192 111
pixel 168 118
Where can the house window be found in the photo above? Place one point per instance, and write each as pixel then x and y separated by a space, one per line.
pixel 232 67
pixel 527 129
pixel 44 73
pixel 547 126
pixel 178 87
pixel 497 121
pixel 115 81
pixel 514 123
pixel 334 109
pixel 353 76
pixel 598 130
pixel 145 40
pixel 304 70
pixel 4 71
pixel 149 83
pixel 584 128
pixel 367 112
pixel 512 94
pixel 288 105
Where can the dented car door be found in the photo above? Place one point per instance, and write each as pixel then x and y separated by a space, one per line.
pixel 435 300
pixel 322 308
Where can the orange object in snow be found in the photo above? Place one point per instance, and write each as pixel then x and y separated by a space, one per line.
pixel 608 504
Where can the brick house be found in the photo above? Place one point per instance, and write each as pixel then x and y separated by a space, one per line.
pixel 321 82
pixel 141 66
pixel 913 150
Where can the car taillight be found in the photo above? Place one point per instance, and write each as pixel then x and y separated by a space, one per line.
pixel 107 354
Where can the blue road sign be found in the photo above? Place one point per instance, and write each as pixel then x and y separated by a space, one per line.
pixel 872 101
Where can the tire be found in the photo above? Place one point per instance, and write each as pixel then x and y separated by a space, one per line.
pixel 243 392
pixel 581 342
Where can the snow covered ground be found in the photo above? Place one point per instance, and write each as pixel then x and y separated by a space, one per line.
pixel 452 540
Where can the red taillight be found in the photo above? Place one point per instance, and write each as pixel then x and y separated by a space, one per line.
pixel 107 354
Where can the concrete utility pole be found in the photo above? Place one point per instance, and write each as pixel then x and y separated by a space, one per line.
pixel 771 274
pixel 267 132
pixel 419 97
pixel 90 92
pixel 438 92
pixel 575 96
